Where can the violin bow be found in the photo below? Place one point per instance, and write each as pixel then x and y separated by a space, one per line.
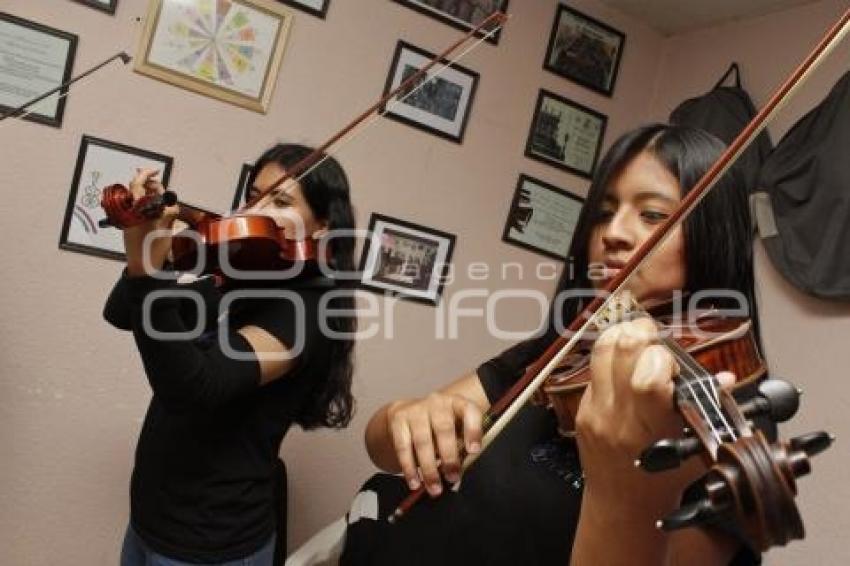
pixel 491 24
pixel 504 410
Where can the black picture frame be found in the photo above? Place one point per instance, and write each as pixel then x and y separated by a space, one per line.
pixel 88 219
pixel 108 8
pixel 241 186
pixel 429 261
pixel 523 211
pixel 584 50
pixel 55 119
pixel 454 80
pixel 465 24
pixel 299 5
pixel 585 130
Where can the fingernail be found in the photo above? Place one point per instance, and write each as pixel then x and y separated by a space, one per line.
pixel 414 484
pixel 435 489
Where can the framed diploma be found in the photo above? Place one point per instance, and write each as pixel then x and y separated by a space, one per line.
pixel 101 163
pixel 227 49
pixel 565 134
pixel 542 218
pixel 34 59
pixel 318 8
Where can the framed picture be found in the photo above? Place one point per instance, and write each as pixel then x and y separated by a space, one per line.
pixel 228 49
pixel 405 259
pixel 242 186
pixel 107 6
pixel 36 59
pixel 462 14
pixel 439 103
pixel 584 50
pixel 318 8
pixel 565 134
pixel 101 163
pixel 542 218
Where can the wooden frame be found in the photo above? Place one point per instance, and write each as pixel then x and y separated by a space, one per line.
pixel 404 259
pixel 423 109
pixel 104 163
pixel 55 117
pixel 562 132
pixel 456 20
pixel 584 50
pixel 307 6
pixel 536 208
pixel 109 6
pixel 167 49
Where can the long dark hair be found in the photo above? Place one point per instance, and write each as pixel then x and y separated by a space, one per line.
pixel 718 234
pixel 326 191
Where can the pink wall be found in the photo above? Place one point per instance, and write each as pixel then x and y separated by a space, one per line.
pixel 72 387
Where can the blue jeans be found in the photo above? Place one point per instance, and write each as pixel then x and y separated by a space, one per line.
pixel 136 553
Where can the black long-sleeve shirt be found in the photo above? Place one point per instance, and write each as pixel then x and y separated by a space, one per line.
pixel 202 486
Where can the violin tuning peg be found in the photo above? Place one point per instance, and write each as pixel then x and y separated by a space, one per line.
pixel 776 398
pixel 691 515
pixel 812 443
pixel 667 454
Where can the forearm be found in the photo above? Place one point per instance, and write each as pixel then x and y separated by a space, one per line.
pixel 379 443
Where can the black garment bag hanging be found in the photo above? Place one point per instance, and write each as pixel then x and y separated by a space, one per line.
pixel 724 111
pixel 802 207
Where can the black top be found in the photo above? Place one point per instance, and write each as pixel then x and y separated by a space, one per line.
pixel 203 483
pixel 519 503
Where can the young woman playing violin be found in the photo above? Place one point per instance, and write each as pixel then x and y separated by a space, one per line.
pixel 528 499
pixel 203 485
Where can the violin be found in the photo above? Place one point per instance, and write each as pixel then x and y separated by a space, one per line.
pixel 243 242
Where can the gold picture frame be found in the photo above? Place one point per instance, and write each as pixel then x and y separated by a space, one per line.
pixel 227 49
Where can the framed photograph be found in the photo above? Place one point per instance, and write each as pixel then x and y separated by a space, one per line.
pixel 242 186
pixel 35 59
pixel 565 134
pixel 439 103
pixel 107 6
pixel 584 50
pixel 462 14
pixel 318 8
pixel 542 218
pixel 228 49
pixel 101 163
pixel 405 259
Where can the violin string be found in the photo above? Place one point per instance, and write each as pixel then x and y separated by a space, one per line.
pixel 342 143
pixel 701 375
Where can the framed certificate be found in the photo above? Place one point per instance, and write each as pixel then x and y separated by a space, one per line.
pixel 228 49
pixel 107 6
pixel 565 134
pixel 318 8
pixel 542 218
pixel 101 163
pixel 35 58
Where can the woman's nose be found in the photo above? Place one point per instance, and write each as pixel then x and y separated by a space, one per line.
pixel 619 232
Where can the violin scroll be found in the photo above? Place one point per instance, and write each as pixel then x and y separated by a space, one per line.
pixel 123 211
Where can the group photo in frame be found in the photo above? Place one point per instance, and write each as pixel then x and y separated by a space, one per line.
pixel 465 15
pixel 101 163
pixel 405 259
pixel 542 218
pixel 584 50
pixel 244 42
pixel 107 6
pixel 37 59
pixel 318 8
pixel 440 102
pixel 565 134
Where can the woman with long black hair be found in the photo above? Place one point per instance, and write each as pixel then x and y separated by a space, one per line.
pixel 534 497
pixel 203 485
